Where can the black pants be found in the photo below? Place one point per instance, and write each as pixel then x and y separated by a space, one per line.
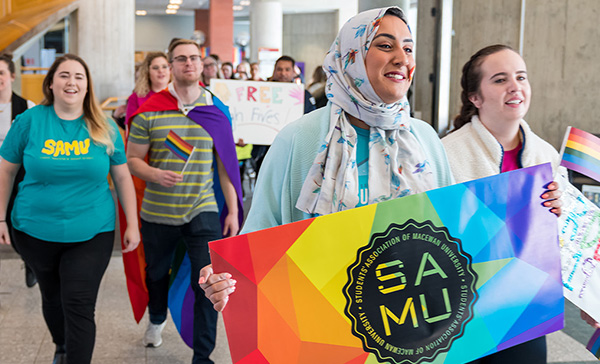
pixel 529 352
pixel 160 242
pixel 69 276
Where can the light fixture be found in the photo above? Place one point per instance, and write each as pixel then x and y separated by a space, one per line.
pixel 177 2
pixel 245 2
pixel 237 7
pixel 171 11
pixel 141 12
pixel 173 6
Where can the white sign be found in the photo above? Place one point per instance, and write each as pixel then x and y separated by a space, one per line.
pixel 259 110
pixel 579 236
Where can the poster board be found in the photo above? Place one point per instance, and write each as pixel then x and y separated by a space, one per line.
pixel 259 110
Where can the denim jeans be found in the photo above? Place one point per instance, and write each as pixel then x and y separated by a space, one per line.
pixel 160 242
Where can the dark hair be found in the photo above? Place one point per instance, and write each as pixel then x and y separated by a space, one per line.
pixel 287 59
pixel 470 82
pixel 227 64
pixel 8 59
pixel 397 12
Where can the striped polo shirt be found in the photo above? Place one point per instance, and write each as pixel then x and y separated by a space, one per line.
pixel 176 205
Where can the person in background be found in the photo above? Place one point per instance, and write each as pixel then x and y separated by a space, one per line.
pixel 227 70
pixel 255 72
pixel 183 206
pixel 12 105
pixel 284 72
pixel 317 87
pixel 491 137
pixel 211 70
pixel 64 213
pixel 154 75
pixel 241 71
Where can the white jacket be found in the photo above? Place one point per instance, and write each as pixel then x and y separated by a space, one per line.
pixel 473 152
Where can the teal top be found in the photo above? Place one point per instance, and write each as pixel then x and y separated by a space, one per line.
pixel 362 163
pixel 290 157
pixel 65 196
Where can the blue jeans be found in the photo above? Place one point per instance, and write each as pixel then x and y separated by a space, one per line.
pixel 160 242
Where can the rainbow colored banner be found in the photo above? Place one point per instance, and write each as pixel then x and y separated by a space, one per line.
pixel 445 276
pixel 581 152
pixel 178 146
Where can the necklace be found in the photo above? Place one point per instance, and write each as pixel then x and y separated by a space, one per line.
pixel 5 107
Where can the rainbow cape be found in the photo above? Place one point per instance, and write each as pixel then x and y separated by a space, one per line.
pixel 216 120
pixel 594 345
pixel 581 152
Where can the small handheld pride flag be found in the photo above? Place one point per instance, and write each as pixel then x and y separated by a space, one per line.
pixel 594 345
pixel 182 149
pixel 581 152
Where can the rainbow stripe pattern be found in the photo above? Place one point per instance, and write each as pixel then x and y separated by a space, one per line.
pixel 581 153
pixel 594 345
pixel 289 305
pixel 178 146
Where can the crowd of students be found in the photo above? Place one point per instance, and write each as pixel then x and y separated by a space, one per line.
pixel 63 218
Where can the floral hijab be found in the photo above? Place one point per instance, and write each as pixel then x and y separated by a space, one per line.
pixel 397 163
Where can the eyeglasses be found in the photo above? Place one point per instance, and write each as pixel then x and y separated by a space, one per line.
pixel 206 65
pixel 184 59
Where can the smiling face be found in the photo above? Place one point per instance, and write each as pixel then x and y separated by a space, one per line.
pixel 69 84
pixel 210 68
pixel 390 61
pixel 227 71
pixel 6 78
pixel 186 64
pixel 504 93
pixel 159 73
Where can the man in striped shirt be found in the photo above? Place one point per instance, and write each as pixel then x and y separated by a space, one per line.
pixel 179 205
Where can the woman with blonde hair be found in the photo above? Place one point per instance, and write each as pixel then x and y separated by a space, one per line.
pixel 64 215
pixel 154 76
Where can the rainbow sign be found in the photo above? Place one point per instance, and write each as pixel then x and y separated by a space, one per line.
pixel 445 276
pixel 581 152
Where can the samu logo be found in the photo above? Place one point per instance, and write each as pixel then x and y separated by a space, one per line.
pixel 56 148
pixel 410 292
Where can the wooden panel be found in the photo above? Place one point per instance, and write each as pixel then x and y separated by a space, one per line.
pixel 29 17
pixel 31 87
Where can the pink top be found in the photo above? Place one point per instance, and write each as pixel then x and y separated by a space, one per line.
pixel 134 102
pixel 510 160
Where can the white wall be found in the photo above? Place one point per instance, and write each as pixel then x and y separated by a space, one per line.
pixel 154 32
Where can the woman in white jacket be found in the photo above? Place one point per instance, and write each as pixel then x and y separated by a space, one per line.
pixel 491 137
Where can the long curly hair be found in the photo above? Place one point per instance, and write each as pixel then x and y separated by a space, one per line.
pixel 143 85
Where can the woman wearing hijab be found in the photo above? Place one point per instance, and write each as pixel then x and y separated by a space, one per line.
pixel 362 148
pixel 491 137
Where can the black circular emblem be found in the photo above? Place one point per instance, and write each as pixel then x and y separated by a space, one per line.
pixel 410 292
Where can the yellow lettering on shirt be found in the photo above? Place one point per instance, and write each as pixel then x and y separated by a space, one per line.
pixel 49 147
pixel 72 147
pixel 56 148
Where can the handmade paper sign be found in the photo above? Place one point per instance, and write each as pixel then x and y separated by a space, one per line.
pixel 445 276
pixel 259 110
pixel 580 251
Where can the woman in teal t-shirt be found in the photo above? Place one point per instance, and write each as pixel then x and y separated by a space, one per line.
pixel 64 214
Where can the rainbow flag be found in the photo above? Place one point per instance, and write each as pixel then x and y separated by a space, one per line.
pixel 594 344
pixel 178 146
pixel 581 153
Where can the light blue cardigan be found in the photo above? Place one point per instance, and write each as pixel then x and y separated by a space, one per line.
pixel 292 154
